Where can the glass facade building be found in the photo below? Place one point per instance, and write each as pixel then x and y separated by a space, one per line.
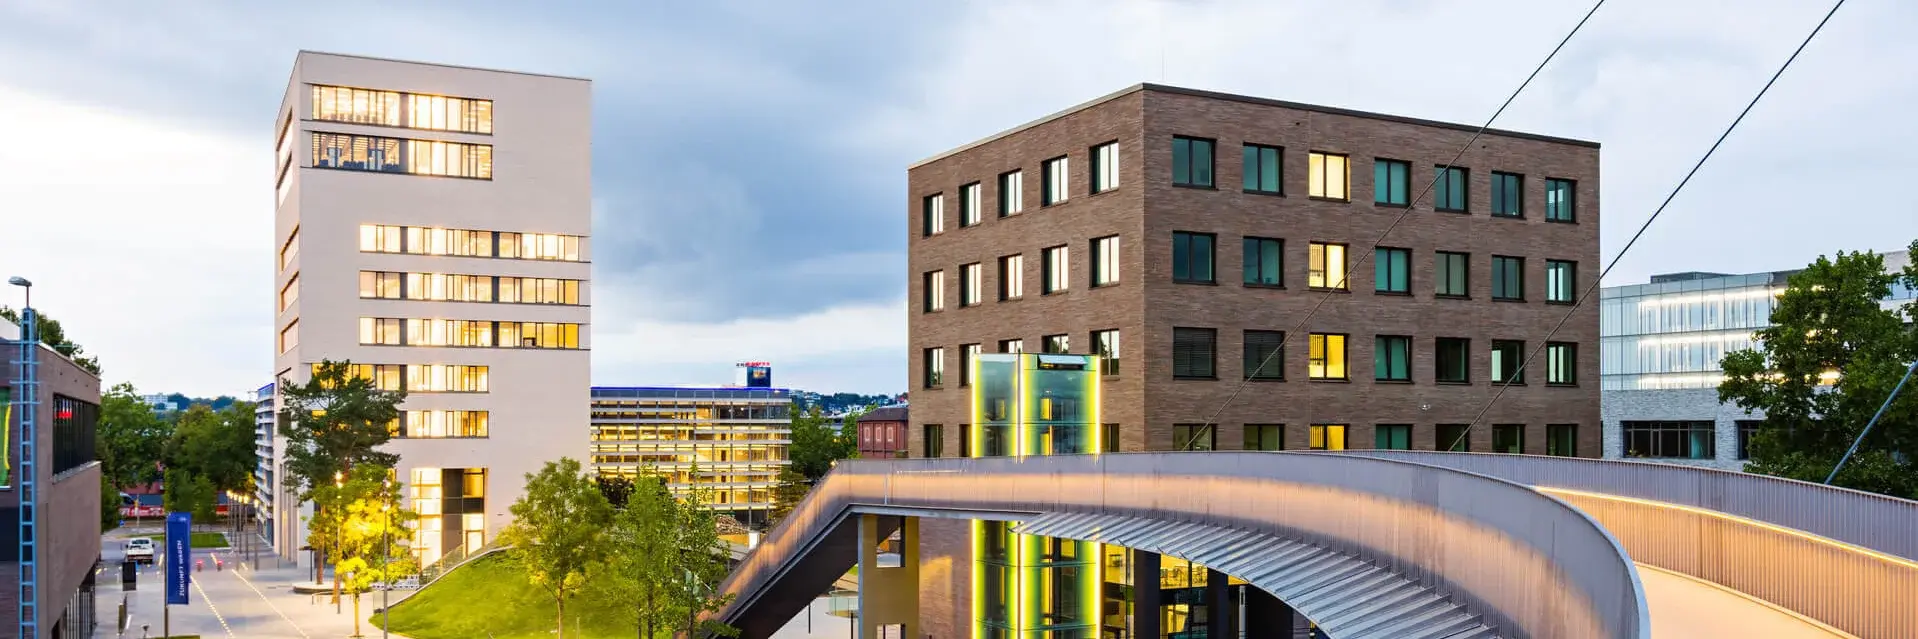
pixel 1672 332
pixel 728 442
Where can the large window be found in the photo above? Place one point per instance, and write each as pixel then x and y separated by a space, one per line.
pixel 421 378
pixel 392 331
pixel 969 204
pixel 1560 277
pixel 935 367
pixel 968 353
pixel 1327 176
pixel 291 249
pixel 1264 437
pixel 1560 201
pixel 1747 431
pixel 1012 277
pixel 1506 357
pixel 1105 167
pixel 934 441
pixel 357 106
pixel 1325 266
pixel 1265 355
pixel 417 240
pixel 1561 363
pixel 445 287
pixel 971 288
pixel 290 293
pixel 1392 271
pixel 1012 196
pixel 1508 438
pixel 1262 169
pixel 1012 346
pixel 1055 182
pixel 1670 439
pixel 1508 194
pixel 1195 353
pixel 1264 261
pixel 932 215
pixel 1105 260
pixel 1191 161
pixel 290 336
pixel 1192 257
pixel 1194 437
pixel 1508 278
pixel 1057 267
pixel 442 113
pixel 1391 182
pixel 1450 194
pixel 1392 358
pixel 934 291
pixel 1561 440
pixel 1327 356
pixel 1106 344
pixel 1326 437
pixel 393 155
pixel 1453 437
pixel 75 424
pixel 1453 360
pixel 393 108
pixel 1452 272
pixel 1392 437
pixel 441 424
pixel 1056 344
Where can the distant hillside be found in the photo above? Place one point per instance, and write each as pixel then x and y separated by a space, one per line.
pixel 836 403
pixel 217 403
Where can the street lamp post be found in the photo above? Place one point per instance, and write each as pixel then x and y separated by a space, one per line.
pixel 339 540
pixel 386 553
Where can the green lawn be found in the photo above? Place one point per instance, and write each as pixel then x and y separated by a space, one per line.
pixel 200 540
pixel 491 597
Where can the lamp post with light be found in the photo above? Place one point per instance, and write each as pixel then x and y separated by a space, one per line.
pixel 28 403
pixel 339 541
pixel 386 553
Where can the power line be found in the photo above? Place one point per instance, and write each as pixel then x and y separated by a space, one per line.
pixel 1648 221
pixel 1345 278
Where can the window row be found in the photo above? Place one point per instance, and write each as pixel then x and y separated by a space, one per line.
pixel 1055 269
pixel 439 424
pixel 1560 439
pixel 1683 439
pixel 394 108
pixel 390 331
pixel 1054 188
pixel 1328 266
pixel 394 155
pixel 443 287
pixel 1329 177
pixel 1104 343
pixel 417 240
pixel 1195 354
pixel 421 378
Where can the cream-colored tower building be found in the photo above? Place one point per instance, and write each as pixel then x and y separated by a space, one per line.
pixel 432 227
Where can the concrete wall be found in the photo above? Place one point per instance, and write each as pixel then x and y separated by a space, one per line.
pixel 1689 404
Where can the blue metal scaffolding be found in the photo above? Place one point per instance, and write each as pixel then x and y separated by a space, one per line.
pixel 26 399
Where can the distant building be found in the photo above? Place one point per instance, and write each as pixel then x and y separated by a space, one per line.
pixel 727 441
pixel 67 484
pixel 266 482
pixel 162 403
pixel 882 434
pixel 1660 347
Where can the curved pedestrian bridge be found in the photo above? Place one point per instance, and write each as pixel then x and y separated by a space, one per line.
pixel 1386 543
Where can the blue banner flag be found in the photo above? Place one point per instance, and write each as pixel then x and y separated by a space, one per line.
pixel 179 556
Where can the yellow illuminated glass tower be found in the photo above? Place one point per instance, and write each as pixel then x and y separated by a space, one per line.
pixel 1026 586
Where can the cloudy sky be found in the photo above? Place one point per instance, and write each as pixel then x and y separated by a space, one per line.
pixel 750 157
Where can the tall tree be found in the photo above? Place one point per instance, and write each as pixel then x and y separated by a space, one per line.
pixel 817 442
pixel 132 438
pixel 791 488
pixel 54 335
pixel 189 492
pixel 639 567
pixel 701 562
pixel 333 422
pixel 1827 362
pixel 559 531
pixel 215 445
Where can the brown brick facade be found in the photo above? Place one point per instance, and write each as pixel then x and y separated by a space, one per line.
pixel 1146 209
pixel 69 535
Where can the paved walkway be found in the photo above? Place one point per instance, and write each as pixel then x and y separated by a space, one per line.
pixel 235 602
pixel 1689 608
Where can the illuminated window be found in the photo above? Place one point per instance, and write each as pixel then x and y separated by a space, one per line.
pixel 1012 197
pixel 290 293
pixel 378 285
pixel 1450 192
pixel 1508 278
pixel 1054 188
pixel 380 239
pixel 290 336
pixel 1327 176
pixel 1012 277
pixel 1508 194
pixel 1326 437
pixel 414 240
pixel 442 113
pixel 291 249
pixel 1506 356
pixel 1560 200
pixel 1057 267
pixel 1391 182
pixel 934 291
pixel 969 204
pixel 1192 160
pixel 357 106
pixel 1105 167
pixel 284 150
pixel 1326 266
pixel 443 424
pixel 1452 272
pixel 1327 356
pixel 1192 257
pixel 970 288
pixel 933 215
pixel 381 330
pixel 451 159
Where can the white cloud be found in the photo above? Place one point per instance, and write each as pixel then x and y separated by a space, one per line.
pixel 867 339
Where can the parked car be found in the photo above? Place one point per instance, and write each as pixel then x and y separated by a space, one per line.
pixel 139 549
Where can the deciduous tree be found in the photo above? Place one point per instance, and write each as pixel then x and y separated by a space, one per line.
pixel 373 535
pixel 559 531
pixel 54 335
pixel 333 422
pixel 131 438
pixel 215 445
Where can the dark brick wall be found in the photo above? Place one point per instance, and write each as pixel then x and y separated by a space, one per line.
pixel 1144 211
pixel 70 502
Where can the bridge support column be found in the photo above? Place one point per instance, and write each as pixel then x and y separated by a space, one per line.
pixel 889 590
pixel 1146 601
pixel 1221 616
pixel 1266 616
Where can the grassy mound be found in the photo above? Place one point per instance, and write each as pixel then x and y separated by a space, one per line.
pixel 200 540
pixel 491 597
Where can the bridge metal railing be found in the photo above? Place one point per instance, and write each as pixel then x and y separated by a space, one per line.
pixel 1846 558
pixel 1528 562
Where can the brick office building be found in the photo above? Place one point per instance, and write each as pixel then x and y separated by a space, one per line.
pixel 68 478
pixel 1181 233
